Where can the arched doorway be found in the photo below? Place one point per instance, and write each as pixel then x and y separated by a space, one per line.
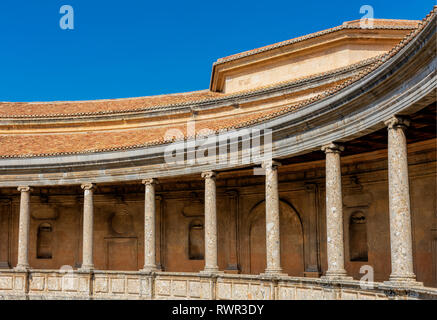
pixel 292 260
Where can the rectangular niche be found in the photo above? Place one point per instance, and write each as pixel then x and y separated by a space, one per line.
pixel 122 254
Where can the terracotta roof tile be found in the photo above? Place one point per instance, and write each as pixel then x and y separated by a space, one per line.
pixel 355 24
pixel 100 107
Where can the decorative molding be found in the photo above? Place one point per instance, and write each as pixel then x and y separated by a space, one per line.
pixel 24 189
pixel 209 175
pixel 332 148
pixel 270 164
pixel 88 186
pixel 396 122
pixel 150 181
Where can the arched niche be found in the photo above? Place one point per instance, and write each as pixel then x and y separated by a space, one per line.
pixel 358 247
pixel 196 240
pixel 44 241
pixel 291 233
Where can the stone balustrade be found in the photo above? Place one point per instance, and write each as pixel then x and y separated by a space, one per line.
pixel 58 284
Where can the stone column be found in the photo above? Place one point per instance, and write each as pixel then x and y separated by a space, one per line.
pixel 399 203
pixel 273 240
pixel 88 227
pixel 334 213
pixel 149 226
pixel 23 232
pixel 211 264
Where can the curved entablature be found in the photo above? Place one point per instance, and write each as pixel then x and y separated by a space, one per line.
pixel 348 106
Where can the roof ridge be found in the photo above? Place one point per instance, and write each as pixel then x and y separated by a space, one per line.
pixel 220 96
pixel 106 100
pixel 310 36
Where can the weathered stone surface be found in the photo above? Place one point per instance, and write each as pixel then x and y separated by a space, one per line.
pixel 334 212
pixel 117 285
pixel 194 289
pixel 210 222
pixel 23 232
pixel 88 226
pixel 6 282
pixel 37 283
pixel 200 286
pixel 149 226
pixel 133 286
pixel 273 245
pixel 101 284
pixel 399 202
pixel 162 287
pixel 179 288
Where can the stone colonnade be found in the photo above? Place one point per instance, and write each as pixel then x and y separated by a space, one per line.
pixel 399 206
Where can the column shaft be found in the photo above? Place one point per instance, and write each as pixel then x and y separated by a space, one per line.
pixel 88 227
pixel 211 264
pixel 149 226
pixel 23 232
pixel 334 212
pixel 399 202
pixel 273 240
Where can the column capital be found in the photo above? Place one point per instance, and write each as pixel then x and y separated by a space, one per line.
pixel 209 175
pixel 398 122
pixel 150 181
pixel 24 188
pixel 88 186
pixel 332 148
pixel 270 164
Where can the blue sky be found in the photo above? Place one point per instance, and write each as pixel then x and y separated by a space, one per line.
pixel 136 48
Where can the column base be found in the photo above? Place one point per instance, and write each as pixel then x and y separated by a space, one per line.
pixel 336 275
pixel 22 268
pixel 408 280
pixel 232 268
pixel 210 270
pixel 86 268
pixel 312 274
pixel 149 269
pixel 273 272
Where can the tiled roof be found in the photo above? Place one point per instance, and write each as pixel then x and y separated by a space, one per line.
pixel 32 145
pixel 51 144
pixel 110 106
pixel 390 24
pixel 33 109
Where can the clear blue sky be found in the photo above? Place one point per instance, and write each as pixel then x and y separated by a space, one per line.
pixel 134 48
